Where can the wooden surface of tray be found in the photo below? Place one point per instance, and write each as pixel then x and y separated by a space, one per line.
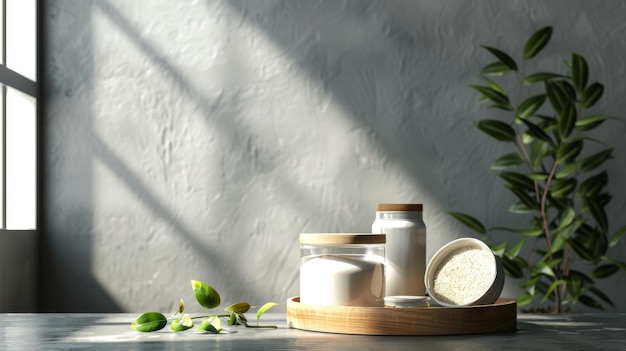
pixel 497 317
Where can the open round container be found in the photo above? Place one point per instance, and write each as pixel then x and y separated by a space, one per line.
pixel 464 272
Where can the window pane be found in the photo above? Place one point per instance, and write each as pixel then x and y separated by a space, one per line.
pixel 1 156
pixel 21 37
pixel 21 156
pixel 1 35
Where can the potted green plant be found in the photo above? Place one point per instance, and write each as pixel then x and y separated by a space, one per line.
pixel 555 169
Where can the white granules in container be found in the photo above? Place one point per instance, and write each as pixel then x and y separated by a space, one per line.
pixel 464 276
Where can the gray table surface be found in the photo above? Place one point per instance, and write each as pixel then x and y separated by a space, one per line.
pixel 597 331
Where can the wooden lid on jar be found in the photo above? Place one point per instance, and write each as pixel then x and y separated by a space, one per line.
pixel 399 207
pixel 342 238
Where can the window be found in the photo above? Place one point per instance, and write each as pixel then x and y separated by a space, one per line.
pixel 18 106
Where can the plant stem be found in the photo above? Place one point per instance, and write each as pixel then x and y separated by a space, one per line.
pixel 212 315
pixel 518 139
pixel 546 229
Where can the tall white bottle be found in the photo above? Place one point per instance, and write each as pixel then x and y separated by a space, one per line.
pixel 406 247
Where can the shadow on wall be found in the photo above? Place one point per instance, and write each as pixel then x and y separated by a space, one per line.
pixel 66 282
pixel 389 74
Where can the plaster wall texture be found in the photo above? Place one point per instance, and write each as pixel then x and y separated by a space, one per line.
pixel 197 139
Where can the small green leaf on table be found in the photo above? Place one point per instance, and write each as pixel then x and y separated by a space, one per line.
pixel 207 296
pixel 149 321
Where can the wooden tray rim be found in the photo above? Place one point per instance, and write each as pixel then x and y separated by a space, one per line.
pixel 424 320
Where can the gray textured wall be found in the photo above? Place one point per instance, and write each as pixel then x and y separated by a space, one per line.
pixel 197 139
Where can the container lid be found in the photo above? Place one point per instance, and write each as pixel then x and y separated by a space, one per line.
pixel 342 238
pixel 399 207
pixel 407 301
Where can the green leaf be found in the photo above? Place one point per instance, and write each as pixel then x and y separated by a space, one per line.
pixel 497 129
pixel 595 160
pixel 566 88
pixel 601 295
pixel 592 186
pixel 181 324
pixel 531 232
pixel 598 214
pixel 505 107
pixel 590 122
pixel 581 250
pixel 588 301
pixel 499 249
pixel 536 42
pixel 619 263
pixel 538 151
pixel 503 57
pixel 494 69
pixel 604 270
pixel 579 72
pixel 264 309
pixel 492 94
pixel 568 169
pixel 617 236
pixel 567 217
pixel 149 321
pixel 558 242
pixel 521 208
pixel 563 233
pixel 575 284
pixel 469 221
pixel 515 250
pixel 568 151
pixel 567 120
pixel 591 95
pixel 538 176
pixel 556 95
pixel 536 132
pixel 511 160
pixel 540 77
pixel 526 199
pixel 237 319
pixel 563 187
pixel 232 320
pixel 530 105
pixel 543 267
pixel 212 324
pixel 551 289
pixel 524 232
pixel 524 299
pixel 207 297
pixel 511 268
pixel 518 180
pixel 494 85
pixel 599 245
pixel 239 307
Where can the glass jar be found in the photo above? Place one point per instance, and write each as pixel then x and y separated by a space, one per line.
pixel 342 269
pixel 405 248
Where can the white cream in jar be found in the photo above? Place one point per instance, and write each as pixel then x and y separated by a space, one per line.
pixel 342 269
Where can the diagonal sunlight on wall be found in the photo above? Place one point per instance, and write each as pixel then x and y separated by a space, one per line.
pixel 270 160
pixel 175 163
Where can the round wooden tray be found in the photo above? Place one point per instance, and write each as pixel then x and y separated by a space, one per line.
pixel 498 317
